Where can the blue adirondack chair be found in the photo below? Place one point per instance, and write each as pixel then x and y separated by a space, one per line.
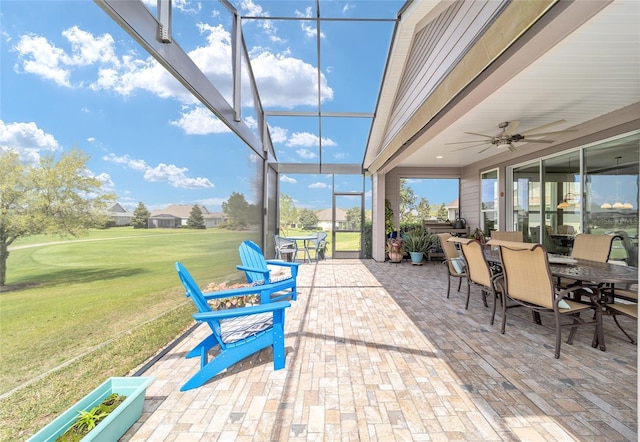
pixel 239 332
pixel 261 271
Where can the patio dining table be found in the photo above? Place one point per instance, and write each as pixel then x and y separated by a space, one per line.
pixel 587 273
pixel 305 244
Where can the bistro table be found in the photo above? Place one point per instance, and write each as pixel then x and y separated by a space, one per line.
pixel 586 273
pixel 305 242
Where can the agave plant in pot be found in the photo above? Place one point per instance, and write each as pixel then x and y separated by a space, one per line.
pixel 417 243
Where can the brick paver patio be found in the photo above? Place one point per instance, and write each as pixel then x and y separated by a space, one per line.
pixel 375 351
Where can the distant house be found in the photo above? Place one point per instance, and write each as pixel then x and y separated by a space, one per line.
pixel 452 209
pixel 120 215
pixel 324 219
pixel 164 221
pixel 177 215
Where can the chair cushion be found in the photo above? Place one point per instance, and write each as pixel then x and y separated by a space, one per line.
pixel 236 329
pixel 278 273
pixel 459 265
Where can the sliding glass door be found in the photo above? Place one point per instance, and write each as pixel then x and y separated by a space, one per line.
pixel 593 189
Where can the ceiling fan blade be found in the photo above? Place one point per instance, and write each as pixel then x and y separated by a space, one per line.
pixel 467 142
pixel 513 127
pixel 527 140
pixel 469 147
pixel 479 135
pixel 555 123
pixel 544 134
pixel 486 148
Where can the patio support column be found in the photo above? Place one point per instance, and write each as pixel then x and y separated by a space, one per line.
pixel 377 231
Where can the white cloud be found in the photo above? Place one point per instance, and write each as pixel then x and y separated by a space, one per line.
pixel 286 81
pixel 309 30
pixel 282 80
pixel 340 156
pixel 319 186
pixel 87 49
pixel 174 175
pixel 306 154
pixel 287 179
pixel 27 139
pixel 127 161
pixel 307 139
pixel 39 57
pixel 107 183
pixel 278 134
pixel 199 120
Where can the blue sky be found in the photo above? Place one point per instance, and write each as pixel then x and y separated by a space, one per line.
pixel 72 78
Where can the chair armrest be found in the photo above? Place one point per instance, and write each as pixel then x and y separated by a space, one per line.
pixel 252 290
pixel 251 269
pixel 292 265
pixel 242 311
pixel 592 292
pixel 282 263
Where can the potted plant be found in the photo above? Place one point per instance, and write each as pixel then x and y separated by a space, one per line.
pixel 395 249
pixel 478 235
pixel 418 243
pixel 110 427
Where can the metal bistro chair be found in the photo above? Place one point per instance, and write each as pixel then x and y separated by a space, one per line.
pixel 286 248
pixel 528 282
pixel 455 264
pixel 319 245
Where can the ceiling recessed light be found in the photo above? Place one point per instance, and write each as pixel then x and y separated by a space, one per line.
pixel 439 157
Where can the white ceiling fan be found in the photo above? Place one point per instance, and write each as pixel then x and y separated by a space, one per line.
pixel 508 136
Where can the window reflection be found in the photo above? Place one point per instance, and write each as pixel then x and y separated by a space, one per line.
pixel 603 199
pixel 489 202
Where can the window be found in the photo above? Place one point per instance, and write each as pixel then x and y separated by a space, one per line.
pixel 489 206
pixel 593 189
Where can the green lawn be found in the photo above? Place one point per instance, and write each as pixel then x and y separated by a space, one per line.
pixel 65 299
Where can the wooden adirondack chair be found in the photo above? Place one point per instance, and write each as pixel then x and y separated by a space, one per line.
pixel 240 332
pixel 279 274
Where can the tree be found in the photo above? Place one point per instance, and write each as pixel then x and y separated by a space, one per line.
pixel 140 217
pixel 49 197
pixel 408 200
pixel 442 212
pixel 353 217
pixel 196 220
pixel 424 208
pixel 308 218
pixel 238 210
pixel 288 212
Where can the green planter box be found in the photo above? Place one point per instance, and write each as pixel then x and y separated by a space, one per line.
pixel 113 426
